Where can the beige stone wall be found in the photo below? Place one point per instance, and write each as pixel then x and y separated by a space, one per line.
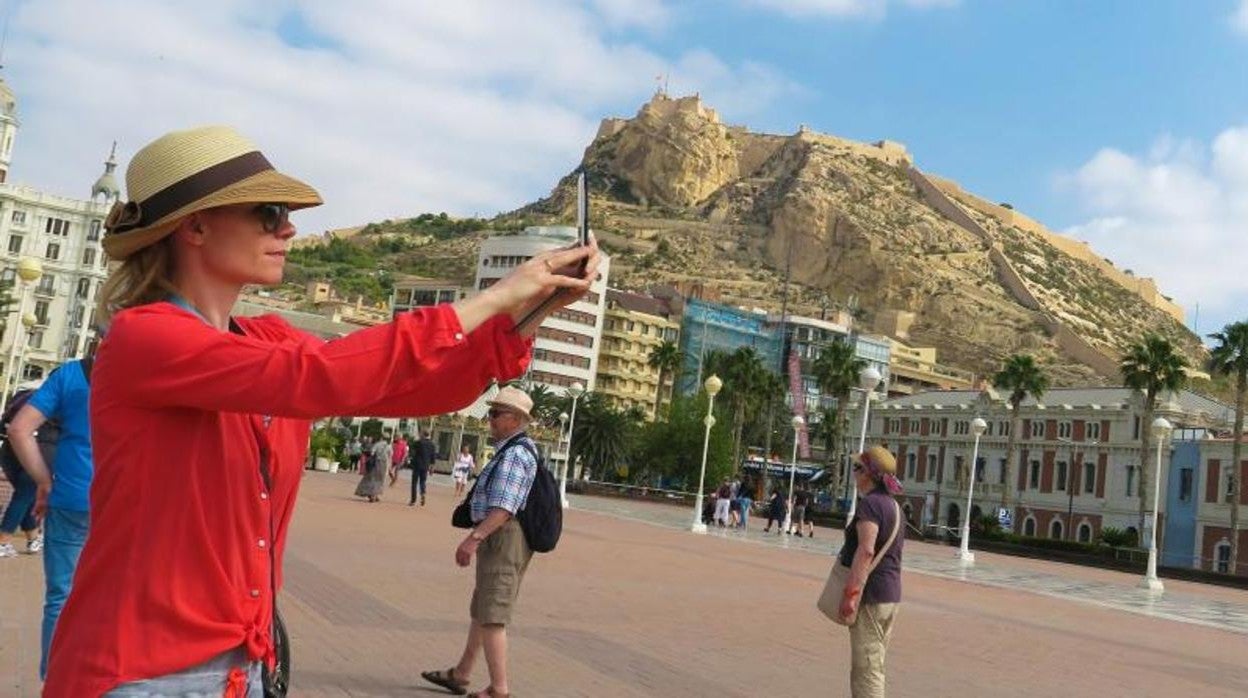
pixel 1145 288
pixel 892 152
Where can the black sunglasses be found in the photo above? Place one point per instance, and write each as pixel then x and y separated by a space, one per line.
pixel 273 217
pixel 494 414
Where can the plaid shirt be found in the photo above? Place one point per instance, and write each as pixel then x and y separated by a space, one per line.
pixel 509 489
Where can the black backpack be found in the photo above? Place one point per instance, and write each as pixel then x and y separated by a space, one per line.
pixel 541 517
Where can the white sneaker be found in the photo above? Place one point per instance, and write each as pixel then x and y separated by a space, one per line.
pixel 34 545
pixel 7 550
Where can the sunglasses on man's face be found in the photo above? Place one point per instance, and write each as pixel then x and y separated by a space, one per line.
pixel 273 217
pixel 495 414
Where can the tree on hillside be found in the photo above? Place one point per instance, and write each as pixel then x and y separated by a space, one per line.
pixel 1020 376
pixel 1154 366
pixel 1230 358
pixel 836 372
pixel 667 358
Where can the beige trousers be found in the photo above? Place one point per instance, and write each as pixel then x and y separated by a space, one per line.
pixel 868 642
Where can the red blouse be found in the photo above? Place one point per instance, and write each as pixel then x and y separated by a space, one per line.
pixel 176 569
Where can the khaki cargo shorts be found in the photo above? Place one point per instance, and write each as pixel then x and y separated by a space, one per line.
pixel 501 561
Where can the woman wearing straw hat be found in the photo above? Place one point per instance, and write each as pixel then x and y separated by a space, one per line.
pixel 200 421
pixel 872 552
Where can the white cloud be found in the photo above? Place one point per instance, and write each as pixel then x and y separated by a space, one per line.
pixel 390 108
pixel 1176 214
pixel 1239 20
pixel 845 9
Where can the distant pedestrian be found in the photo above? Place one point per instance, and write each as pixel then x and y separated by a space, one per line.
pixel 62 487
pixel 423 457
pixel 801 505
pixel 498 543
pixel 373 482
pixel 20 512
pixel 873 594
pixel 354 448
pixel 745 501
pixel 776 507
pixel 398 457
pixel 464 466
pixel 723 503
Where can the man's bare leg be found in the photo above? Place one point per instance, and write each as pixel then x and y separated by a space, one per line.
pixel 494 639
pixel 463 670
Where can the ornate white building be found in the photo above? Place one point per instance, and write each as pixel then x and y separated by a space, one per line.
pixel 63 234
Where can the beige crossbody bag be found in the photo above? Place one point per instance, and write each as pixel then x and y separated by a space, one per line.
pixel 834 588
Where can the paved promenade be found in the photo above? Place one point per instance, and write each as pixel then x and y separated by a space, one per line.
pixel 632 605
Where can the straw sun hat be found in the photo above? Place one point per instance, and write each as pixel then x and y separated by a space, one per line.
pixel 513 399
pixel 187 171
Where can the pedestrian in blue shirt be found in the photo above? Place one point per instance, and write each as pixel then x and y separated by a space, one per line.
pixel 62 493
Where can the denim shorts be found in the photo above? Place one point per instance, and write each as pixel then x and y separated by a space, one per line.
pixel 205 680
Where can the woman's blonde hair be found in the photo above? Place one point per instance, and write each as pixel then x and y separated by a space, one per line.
pixel 144 277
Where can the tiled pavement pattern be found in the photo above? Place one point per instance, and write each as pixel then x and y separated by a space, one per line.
pixel 625 608
pixel 998 571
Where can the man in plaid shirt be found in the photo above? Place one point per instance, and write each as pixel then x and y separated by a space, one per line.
pixel 498 542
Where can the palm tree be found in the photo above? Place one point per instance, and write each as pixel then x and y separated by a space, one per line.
pixel 1230 358
pixel 1020 376
pixel 546 404
pixel 667 359
pixel 836 372
pixel 1154 366
pixel 746 385
pixel 603 436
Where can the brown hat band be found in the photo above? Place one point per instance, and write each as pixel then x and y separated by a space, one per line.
pixel 134 215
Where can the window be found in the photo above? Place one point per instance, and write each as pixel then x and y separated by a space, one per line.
pixel 1135 429
pixel 36 339
pixel 1130 481
pixel 19 217
pixel 911 465
pixel 1063 430
pixel 41 312
pixel 980 464
pixel 1029 526
pixel 1185 485
pixel 1001 472
pixel 32 372
pixel 931 467
pixel 1037 429
pixel 988 431
pixel 1222 557
pixel 1061 476
pixel 1003 428
pixel 76 320
pixel 1085 533
pixel 1034 480
pixel 8 275
pixel 1229 490
pixel 56 226
pixel 93 231
pixel 47 285
pixel 961 427
pixel 54 251
pixel 1055 529
pixel 1089 478
pixel 84 288
pixel 1093 431
pixel 88 256
pixel 914 426
pixel 15 244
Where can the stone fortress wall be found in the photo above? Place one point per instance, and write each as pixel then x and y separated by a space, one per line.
pixel 1145 288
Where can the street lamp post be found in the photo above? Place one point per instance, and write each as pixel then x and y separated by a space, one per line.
pixel 1161 428
pixel 563 443
pixel 29 270
pixel 797 423
pixel 1072 481
pixel 978 427
pixel 867 380
pixel 575 391
pixel 713 386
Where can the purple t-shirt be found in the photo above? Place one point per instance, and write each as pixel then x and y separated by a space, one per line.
pixel 884 584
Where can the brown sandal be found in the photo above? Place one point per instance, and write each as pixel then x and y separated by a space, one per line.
pixel 446 679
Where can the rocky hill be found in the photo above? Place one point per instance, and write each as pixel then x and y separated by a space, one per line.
pixel 679 196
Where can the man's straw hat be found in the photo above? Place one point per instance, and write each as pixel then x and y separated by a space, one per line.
pixel 187 171
pixel 513 399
